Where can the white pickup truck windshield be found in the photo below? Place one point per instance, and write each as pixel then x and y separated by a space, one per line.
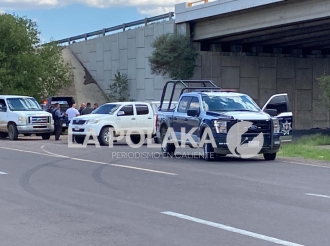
pixel 229 103
pixel 23 104
pixel 106 109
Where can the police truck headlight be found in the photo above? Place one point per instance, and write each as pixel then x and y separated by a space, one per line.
pixel 93 121
pixel 276 126
pixel 22 120
pixel 220 126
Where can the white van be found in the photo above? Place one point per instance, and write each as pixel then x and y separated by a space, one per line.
pixel 23 115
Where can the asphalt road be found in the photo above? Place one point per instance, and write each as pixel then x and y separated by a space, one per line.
pixel 54 195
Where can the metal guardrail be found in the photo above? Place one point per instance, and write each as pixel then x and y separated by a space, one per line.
pixel 116 28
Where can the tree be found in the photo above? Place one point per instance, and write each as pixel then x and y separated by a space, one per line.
pixel 119 88
pixel 28 67
pixel 324 82
pixel 173 54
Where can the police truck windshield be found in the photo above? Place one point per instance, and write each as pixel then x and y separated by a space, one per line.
pixel 229 103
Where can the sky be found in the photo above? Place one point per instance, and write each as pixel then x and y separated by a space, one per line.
pixel 59 19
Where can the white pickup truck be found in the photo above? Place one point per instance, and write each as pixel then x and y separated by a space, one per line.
pixel 23 115
pixel 115 119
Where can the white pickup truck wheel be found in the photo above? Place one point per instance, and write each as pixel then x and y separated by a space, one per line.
pixel 106 135
pixel 135 139
pixel 12 131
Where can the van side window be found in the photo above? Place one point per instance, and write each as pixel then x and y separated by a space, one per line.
pixel 3 107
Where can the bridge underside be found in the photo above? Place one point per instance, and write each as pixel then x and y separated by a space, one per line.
pixel 303 38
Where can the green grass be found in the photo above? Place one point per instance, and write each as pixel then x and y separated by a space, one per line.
pixel 308 147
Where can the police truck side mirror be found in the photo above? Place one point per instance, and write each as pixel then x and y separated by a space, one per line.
pixel 193 112
pixel 271 112
pixel 120 113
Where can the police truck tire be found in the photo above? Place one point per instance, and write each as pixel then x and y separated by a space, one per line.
pixel 12 131
pixel 270 157
pixel 169 148
pixel 208 151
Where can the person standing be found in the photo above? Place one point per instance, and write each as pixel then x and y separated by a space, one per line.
pixel 82 107
pixel 96 106
pixel 71 113
pixel 88 109
pixel 58 118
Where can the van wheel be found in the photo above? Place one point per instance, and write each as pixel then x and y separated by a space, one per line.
pixel 270 157
pixel 106 135
pixel 45 136
pixel 12 131
pixel 169 148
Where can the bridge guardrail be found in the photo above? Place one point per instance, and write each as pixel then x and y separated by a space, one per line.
pixel 116 28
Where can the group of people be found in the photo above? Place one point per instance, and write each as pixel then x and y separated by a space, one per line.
pixel 70 113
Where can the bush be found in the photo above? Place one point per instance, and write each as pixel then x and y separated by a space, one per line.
pixel 173 54
pixel 119 88
pixel 324 82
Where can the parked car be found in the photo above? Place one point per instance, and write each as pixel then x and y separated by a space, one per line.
pixel 65 103
pixel 217 110
pixel 115 117
pixel 23 115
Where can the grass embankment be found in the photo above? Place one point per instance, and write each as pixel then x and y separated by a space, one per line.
pixel 315 147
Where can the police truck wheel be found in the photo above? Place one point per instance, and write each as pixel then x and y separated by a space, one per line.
pixel 169 148
pixel 270 157
pixel 208 151
pixel 12 131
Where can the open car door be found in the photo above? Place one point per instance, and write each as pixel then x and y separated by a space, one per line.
pixel 278 106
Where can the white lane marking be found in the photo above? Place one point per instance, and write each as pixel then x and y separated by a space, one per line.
pixel 232 229
pixel 3 173
pixel 90 161
pixel 311 194
pixel 305 164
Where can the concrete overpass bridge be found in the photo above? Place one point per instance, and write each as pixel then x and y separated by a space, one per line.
pixel 270 26
pixel 259 47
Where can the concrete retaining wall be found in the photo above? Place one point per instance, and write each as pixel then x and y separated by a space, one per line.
pixel 261 77
pixel 128 52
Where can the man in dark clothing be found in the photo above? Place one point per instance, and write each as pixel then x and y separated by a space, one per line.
pixel 58 117
pixel 50 109
pixel 96 106
pixel 88 109
pixel 82 107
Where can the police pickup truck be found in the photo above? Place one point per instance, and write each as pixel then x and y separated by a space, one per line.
pixel 217 111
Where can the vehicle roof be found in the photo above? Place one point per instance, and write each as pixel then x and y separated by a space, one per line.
pixel 214 93
pixel 14 96
pixel 127 103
